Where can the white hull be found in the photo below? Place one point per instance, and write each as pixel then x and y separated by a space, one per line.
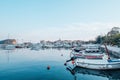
pixel 97 64
pixel 9 47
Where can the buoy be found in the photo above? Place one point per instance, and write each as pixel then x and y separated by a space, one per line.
pixel 48 67
pixel 73 61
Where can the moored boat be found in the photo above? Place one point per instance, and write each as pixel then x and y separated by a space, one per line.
pixel 101 64
pixel 89 52
pixel 9 47
pixel 96 59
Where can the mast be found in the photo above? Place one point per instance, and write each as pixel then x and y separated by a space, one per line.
pixel 107 52
pixel 8 40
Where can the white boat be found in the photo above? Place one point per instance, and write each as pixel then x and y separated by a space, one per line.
pixel 9 47
pixel 103 63
pixel 100 64
pixel 36 47
pixel 90 51
pixel 76 53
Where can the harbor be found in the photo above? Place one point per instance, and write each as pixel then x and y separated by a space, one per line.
pixel 59 40
pixel 49 60
pixel 28 64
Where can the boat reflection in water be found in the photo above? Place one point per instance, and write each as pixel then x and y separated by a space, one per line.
pixel 110 74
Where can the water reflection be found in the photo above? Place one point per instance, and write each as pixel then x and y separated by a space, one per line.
pixel 110 74
pixel 7 52
pixel 47 64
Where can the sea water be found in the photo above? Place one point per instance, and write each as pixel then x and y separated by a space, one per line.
pixel 46 64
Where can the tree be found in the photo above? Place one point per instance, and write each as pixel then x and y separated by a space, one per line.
pixel 99 39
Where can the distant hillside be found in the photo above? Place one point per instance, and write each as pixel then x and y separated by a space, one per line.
pixel 8 41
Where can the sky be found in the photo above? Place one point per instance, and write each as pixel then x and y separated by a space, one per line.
pixel 35 20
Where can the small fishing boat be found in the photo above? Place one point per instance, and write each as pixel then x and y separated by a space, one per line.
pixel 36 47
pixel 76 53
pixel 89 52
pixel 104 63
pixel 9 47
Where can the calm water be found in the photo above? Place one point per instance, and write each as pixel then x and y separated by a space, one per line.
pixel 25 64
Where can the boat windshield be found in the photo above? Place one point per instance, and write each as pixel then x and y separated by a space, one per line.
pixel 76 50
pixel 92 47
pixel 94 51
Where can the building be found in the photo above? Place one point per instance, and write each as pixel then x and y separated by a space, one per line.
pixel 114 31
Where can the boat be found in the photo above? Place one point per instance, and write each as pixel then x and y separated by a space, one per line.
pixel 76 53
pixel 36 46
pixel 9 47
pixel 102 63
pixel 89 52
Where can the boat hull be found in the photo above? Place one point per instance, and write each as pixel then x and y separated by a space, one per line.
pixel 99 66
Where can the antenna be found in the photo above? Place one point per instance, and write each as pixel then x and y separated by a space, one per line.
pixel 8 38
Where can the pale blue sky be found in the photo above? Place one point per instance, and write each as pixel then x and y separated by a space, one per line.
pixel 34 20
